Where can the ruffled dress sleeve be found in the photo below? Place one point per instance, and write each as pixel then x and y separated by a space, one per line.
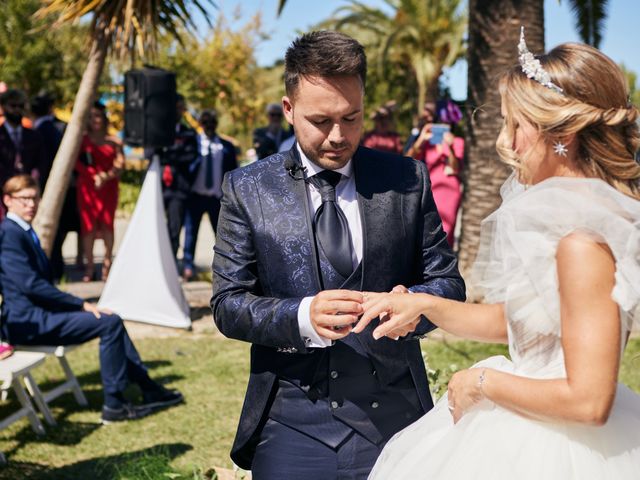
pixel 516 262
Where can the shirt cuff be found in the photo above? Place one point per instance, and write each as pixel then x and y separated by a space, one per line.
pixel 307 332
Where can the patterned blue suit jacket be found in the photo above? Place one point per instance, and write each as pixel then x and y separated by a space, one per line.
pixel 265 264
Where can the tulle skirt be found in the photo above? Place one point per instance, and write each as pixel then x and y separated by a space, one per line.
pixel 493 443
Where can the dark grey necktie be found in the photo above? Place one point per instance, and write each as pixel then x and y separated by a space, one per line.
pixel 330 224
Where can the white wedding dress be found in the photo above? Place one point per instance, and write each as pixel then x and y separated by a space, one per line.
pixel 516 265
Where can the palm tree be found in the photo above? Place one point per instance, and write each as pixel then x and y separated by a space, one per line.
pixel 494 28
pixel 118 27
pixel 424 36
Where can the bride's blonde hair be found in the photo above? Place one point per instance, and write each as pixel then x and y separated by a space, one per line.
pixel 595 107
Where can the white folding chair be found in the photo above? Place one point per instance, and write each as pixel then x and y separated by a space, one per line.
pixel 70 384
pixel 15 370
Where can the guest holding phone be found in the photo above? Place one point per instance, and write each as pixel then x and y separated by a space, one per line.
pixel 443 153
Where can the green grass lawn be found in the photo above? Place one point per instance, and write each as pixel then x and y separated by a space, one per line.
pixel 186 441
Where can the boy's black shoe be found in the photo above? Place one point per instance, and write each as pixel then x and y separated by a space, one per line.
pixel 126 412
pixel 160 398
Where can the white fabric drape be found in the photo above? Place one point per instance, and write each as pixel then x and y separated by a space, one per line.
pixel 143 283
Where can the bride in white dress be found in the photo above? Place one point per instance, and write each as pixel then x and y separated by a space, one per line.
pixel 559 265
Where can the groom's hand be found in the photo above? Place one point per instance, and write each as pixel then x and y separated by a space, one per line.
pixel 333 312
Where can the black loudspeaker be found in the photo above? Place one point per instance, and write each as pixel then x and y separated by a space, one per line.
pixel 150 107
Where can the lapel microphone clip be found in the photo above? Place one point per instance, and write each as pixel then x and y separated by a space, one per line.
pixel 293 168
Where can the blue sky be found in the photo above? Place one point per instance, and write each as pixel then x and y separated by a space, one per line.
pixel 621 38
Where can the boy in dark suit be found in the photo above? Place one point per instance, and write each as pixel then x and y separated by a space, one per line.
pixel 35 312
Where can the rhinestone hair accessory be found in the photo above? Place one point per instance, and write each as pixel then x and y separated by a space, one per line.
pixel 532 67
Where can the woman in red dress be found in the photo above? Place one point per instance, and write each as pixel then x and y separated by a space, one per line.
pixel 99 164
pixel 443 157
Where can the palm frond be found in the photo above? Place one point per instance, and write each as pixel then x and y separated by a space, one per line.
pixel 281 6
pixel 589 18
pixel 129 25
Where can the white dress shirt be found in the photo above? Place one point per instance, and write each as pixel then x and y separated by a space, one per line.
pixel 26 226
pixel 206 145
pixel 348 201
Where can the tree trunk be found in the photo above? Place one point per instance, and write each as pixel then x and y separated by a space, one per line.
pixel 494 29
pixel 432 89
pixel 46 221
pixel 421 83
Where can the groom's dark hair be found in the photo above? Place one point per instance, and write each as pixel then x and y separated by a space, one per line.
pixel 323 54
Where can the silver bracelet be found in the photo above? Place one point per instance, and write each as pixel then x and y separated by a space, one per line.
pixel 481 381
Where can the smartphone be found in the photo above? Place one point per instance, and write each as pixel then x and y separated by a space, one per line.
pixel 437 133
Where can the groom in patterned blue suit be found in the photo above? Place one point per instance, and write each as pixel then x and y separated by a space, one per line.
pixel 301 234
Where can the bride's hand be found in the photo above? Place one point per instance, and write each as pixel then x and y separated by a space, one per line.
pixel 399 313
pixel 464 391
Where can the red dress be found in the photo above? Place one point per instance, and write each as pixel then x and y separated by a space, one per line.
pixel 97 207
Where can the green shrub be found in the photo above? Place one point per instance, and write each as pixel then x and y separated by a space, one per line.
pixel 129 191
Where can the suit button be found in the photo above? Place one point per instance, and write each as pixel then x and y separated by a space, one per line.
pixel 334 405
pixel 375 404
pixel 334 374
